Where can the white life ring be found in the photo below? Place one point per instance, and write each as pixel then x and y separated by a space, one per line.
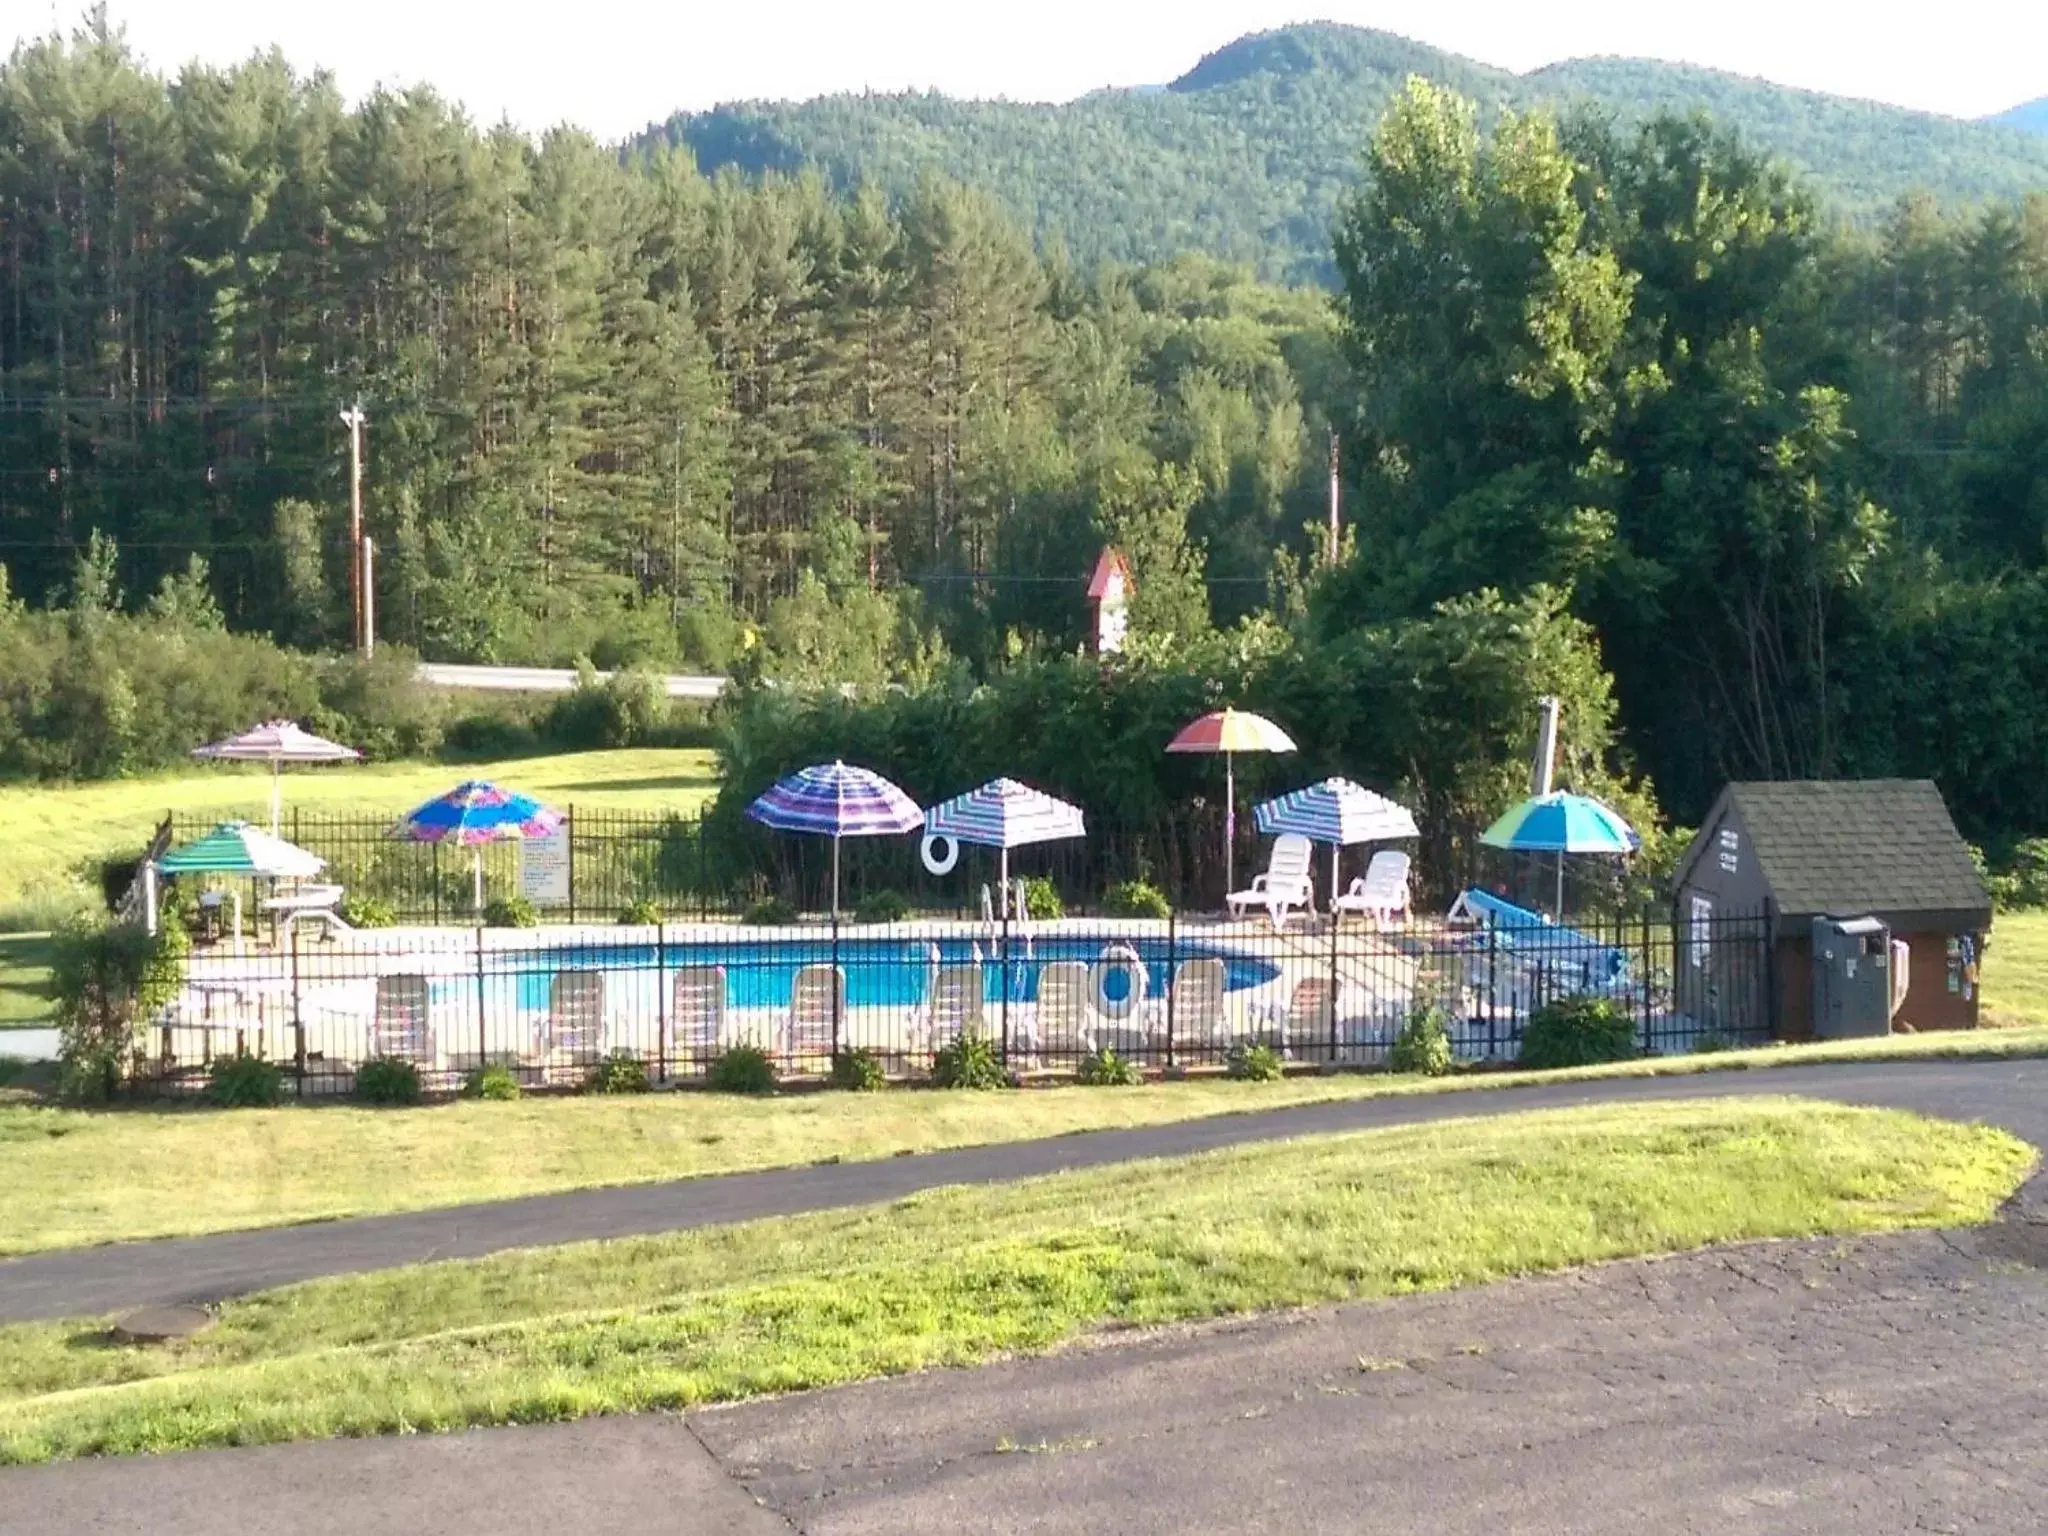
pixel 939 863
pixel 1117 957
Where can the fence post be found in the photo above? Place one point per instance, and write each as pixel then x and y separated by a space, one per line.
pixel 1492 994
pixel 483 1045
pixel 298 1023
pixel 661 998
pixel 435 881
pixel 569 831
pixel 1003 978
pixel 1336 987
pixel 838 991
pixel 1172 969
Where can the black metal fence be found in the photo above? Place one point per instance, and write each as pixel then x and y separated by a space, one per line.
pixel 1176 994
pixel 612 859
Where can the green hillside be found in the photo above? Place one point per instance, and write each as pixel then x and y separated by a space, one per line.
pixel 1245 155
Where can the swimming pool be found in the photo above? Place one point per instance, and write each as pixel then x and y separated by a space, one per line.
pixel 880 973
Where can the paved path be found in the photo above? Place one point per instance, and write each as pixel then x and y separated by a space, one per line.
pixel 97 1280
pixel 1883 1384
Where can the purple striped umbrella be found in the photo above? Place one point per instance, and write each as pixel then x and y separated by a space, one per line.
pixel 834 800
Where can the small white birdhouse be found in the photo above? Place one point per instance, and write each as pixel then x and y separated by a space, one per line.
pixel 1109 594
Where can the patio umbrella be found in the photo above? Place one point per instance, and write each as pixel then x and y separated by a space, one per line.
pixel 1230 731
pixel 834 800
pixel 276 742
pixel 473 813
pixel 1338 812
pixel 1562 823
pixel 236 848
pixel 1004 814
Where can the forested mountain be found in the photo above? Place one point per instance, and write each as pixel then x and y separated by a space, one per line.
pixel 2030 115
pixel 1245 156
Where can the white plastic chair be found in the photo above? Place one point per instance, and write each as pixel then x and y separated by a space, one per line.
pixel 1195 999
pixel 817 1003
pixel 954 1006
pixel 1382 892
pixel 1285 885
pixel 1061 1025
pixel 575 1026
pixel 401 1024
pixel 696 1016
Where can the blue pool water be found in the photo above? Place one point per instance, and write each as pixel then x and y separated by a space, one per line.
pixel 880 973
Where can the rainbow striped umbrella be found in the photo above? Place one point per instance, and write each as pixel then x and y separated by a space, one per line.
pixel 835 800
pixel 1230 731
pixel 473 813
pixel 1005 814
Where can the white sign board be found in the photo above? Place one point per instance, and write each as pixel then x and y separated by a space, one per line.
pixel 544 869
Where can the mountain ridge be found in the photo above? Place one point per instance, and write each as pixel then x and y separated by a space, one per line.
pixel 1245 155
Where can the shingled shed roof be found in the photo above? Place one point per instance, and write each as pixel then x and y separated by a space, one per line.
pixel 1852 846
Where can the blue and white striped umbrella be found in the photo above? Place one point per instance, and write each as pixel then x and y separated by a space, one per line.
pixel 1336 811
pixel 834 800
pixel 1005 814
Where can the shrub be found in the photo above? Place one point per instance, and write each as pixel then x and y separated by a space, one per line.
pixel 491 1082
pixel 769 912
pixel 1255 1062
pixel 1423 1045
pixel 1042 903
pixel 969 1061
pixel 116 875
pixel 741 1069
pixel 1136 898
pixel 244 1082
pixel 641 912
pixel 858 1069
pixel 1578 1032
pixel 1106 1069
pixel 1712 1043
pixel 107 982
pixel 511 912
pixel 618 1073
pixel 388 1080
pixel 368 912
pixel 881 907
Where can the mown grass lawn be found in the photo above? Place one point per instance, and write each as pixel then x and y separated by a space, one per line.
pixel 75 1177
pixel 959 1275
pixel 2016 970
pixel 54 830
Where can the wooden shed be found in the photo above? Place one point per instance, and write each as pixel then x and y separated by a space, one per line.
pixel 1882 848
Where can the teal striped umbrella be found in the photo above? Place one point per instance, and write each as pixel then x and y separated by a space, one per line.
pixel 1562 823
pixel 236 848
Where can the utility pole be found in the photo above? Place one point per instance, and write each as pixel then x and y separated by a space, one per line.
pixel 354 419
pixel 1335 461
pixel 367 551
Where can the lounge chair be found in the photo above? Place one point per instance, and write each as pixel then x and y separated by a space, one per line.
pixel 1381 892
pixel 696 1016
pixel 817 1006
pixel 1195 1002
pixel 1061 1026
pixel 954 1004
pixel 1285 885
pixel 575 1022
pixel 1570 961
pixel 402 1025
pixel 1311 1014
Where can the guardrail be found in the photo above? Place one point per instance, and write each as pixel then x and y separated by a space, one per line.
pixel 551 680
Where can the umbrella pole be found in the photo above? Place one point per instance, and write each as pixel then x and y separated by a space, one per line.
pixel 1003 877
pixel 476 876
pixel 1560 887
pixel 276 794
pixel 1335 850
pixel 835 875
pixel 1229 823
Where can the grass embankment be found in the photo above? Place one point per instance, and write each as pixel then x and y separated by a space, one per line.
pixel 60 831
pixel 2016 970
pixel 75 1178
pixel 959 1275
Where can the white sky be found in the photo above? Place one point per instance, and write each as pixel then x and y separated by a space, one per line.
pixel 615 65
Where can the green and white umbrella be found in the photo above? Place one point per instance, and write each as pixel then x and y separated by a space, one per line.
pixel 236 848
